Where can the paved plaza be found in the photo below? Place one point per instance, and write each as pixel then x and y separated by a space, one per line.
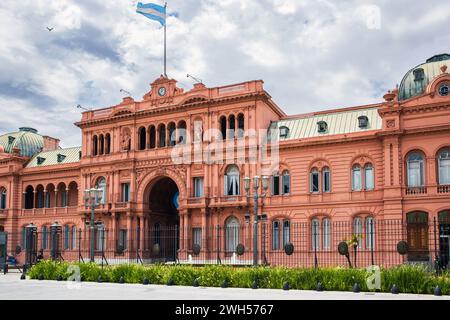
pixel 12 288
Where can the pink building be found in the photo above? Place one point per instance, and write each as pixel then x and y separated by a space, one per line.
pixel 172 166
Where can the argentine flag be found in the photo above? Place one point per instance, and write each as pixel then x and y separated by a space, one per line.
pixel 153 12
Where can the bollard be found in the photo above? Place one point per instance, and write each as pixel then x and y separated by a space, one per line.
pixel 254 285
pixel 170 282
pixel 99 279
pixel 356 288
pixel 225 284
pixel 121 280
pixel 286 286
pixel 145 282
pixel 195 283
pixel 394 289
pixel 319 287
pixel 437 291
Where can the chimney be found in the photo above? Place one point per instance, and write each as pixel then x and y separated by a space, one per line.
pixel 50 143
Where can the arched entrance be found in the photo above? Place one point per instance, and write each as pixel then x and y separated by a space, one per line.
pixel 162 211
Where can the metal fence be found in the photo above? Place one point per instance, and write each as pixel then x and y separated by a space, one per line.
pixel 310 244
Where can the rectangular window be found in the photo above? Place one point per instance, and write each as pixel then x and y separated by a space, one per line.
pixel 275 185
pixel 66 238
pixel 276 235
pixel 64 199
pixel 125 192
pixel 122 243
pixel 2 199
pixel 315 234
pixel 198 187
pixel 356 179
pixel 286 232
pixel 197 236
pixel 45 238
pixel 74 237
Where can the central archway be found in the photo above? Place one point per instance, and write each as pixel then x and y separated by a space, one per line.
pixel 162 207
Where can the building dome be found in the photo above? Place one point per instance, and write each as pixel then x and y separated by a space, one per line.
pixel 416 80
pixel 26 139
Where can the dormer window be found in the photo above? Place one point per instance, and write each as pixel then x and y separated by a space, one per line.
pixel 11 139
pixel 363 122
pixel 79 155
pixel 40 160
pixel 419 74
pixel 61 158
pixel 284 132
pixel 322 127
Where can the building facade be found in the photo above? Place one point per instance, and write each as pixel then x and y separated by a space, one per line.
pixel 178 159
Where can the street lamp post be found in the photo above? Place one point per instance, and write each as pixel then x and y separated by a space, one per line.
pixel 92 198
pixel 256 196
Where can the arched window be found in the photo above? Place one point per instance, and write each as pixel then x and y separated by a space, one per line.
pixel 2 198
pixel 29 197
pixel 152 134
pixel 100 237
pixel 315 234
pixel 95 145
pixel 61 195
pixel 74 237
pixel 162 135
pixel 172 131
pixel 67 237
pixel 286 183
pixel 240 132
pixel 275 184
pixel 44 240
pixel 107 143
pixel 101 184
pixel 232 124
pixel 326 180
pixel 231 181
pixel 415 168
pixel 231 234
pixel 314 180
pixel 357 230
pixel 326 233
pixel 369 179
pixel 286 232
pixel 444 167
pixel 102 144
pixel 370 233
pixel 356 181
pixel 223 127
pixel 181 132
pixel 40 198
pixel 276 235
pixel 142 138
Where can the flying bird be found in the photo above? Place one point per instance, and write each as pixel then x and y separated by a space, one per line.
pixel 50 29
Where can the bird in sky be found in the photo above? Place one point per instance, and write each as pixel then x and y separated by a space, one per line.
pixel 50 29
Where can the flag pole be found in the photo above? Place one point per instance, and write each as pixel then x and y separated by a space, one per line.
pixel 165 40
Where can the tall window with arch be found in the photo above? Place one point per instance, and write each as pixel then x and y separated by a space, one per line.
pixel 326 179
pixel 231 234
pixel 107 143
pixel 415 170
pixel 326 233
pixel 357 230
pixel 286 232
pixel 100 237
pixel 240 120
pixel 95 145
pixel 152 137
pixel 314 180
pixel 370 233
pixel 275 184
pixel 444 167
pixel 142 138
pixel 2 198
pixel 315 234
pixel 356 177
pixel 231 181
pixel 286 183
pixel 369 177
pixel 44 239
pixel 162 135
pixel 232 127
pixel 223 127
pixel 67 238
pixel 101 184
pixel 276 235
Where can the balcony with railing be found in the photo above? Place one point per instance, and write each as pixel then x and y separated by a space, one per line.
pixel 40 212
pixel 416 191
pixel 443 189
pixel 229 201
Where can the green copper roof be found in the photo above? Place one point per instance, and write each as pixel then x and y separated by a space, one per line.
pixel 416 80
pixel 339 122
pixel 55 157
pixel 26 139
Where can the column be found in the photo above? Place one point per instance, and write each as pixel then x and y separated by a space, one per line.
pixel 204 230
pixel 142 233
pixel 182 232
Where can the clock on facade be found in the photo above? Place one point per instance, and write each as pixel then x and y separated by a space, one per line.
pixel 444 89
pixel 162 91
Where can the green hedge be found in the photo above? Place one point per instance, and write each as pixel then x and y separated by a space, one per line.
pixel 408 278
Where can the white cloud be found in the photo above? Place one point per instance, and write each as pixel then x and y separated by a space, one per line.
pixel 312 54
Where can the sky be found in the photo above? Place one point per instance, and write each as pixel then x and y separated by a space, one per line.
pixel 312 54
